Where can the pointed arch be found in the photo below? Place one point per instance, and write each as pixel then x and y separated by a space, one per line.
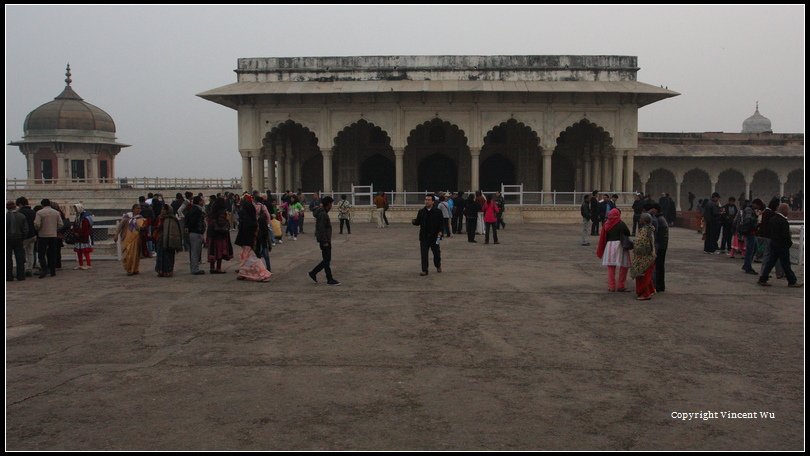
pixel 511 155
pixel 579 144
pixel 354 146
pixel 437 143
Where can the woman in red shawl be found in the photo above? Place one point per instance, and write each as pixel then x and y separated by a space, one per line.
pixel 611 252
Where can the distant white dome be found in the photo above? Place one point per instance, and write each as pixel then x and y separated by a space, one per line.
pixel 757 123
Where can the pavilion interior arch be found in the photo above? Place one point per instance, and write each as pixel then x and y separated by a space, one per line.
pixel 437 156
pixel 696 181
pixel 295 147
pixel 765 185
pixel 582 145
pixel 730 183
pixel 661 181
pixel 795 182
pixel 363 155
pixel 510 155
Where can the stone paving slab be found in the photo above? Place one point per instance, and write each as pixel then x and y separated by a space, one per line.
pixel 516 346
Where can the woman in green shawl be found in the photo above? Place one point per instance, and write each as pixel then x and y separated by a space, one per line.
pixel 643 263
pixel 168 240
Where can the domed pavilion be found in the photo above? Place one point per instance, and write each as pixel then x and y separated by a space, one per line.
pixel 69 141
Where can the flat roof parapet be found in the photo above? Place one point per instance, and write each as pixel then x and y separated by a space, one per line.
pixel 433 67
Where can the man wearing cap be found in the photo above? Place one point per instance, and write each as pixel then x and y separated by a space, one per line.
pixel 16 232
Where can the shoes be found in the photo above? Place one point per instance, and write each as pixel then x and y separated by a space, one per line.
pixel 611 289
pixel 29 274
pixel 42 275
pixel 496 242
pixel 217 271
pixel 333 282
pixel 438 269
pixel 295 238
pixel 198 273
pixel 423 273
pixel 486 242
pixel 791 285
pixel 473 240
pixel 641 298
pixel 751 271
pixel 78 267
pixel 587 243
pixel 764 284
pixel 312 276
pixel 622 289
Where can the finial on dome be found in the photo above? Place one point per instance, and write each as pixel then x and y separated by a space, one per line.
pixel 67 73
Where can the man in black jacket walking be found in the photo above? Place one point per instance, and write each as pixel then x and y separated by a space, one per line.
pixel 781 241
pixel 430 223
pixel 323 233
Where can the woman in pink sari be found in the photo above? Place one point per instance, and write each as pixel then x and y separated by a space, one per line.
pixel 252 267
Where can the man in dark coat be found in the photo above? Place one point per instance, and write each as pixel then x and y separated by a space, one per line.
pixel 430 223
pixel 323 233
pixel 596 216
pixel 781 240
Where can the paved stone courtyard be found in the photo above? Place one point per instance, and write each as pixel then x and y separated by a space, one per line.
pixel 515 346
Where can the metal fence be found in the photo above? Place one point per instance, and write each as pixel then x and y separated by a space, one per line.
pixel 146 183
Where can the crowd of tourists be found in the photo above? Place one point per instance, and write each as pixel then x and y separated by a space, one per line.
pixel 156 228
pixel 752 230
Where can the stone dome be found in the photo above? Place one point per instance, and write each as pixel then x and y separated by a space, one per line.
pixel 757 123
pixel 68 111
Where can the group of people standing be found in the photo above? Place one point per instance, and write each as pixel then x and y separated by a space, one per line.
pixel 752 230
pixel 39 233
pixel 190 222
pixel 643 258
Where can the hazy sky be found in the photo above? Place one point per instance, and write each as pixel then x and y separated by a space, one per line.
pixel 144 64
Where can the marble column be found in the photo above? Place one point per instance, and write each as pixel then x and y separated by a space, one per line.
pixel 618 170
pixel 246 177
pixel 288 182
pixel 327 170
pixel 678 198
pixel 475 154
pixel 29 158
pixel 281 184
pixel 271 168
pixel 629 170
pixel 606 174
pixel 547 174
pixel 62 171
pixel 399 155
pixel 258 170
pixel 595 174
pixel 587 170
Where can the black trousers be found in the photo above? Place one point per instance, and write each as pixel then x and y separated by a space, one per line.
pixel 494 227
pixel 636 218
pixel 471 222
pixel 437 254
pixel 595 225
pixel 725 240
pixel 458 223
pixel 501 223
pixel 447 227
pixel 385 219
pixel 348 226
pixel 326 255
pixel 15 251
pixel 46 249
pixel 660 259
